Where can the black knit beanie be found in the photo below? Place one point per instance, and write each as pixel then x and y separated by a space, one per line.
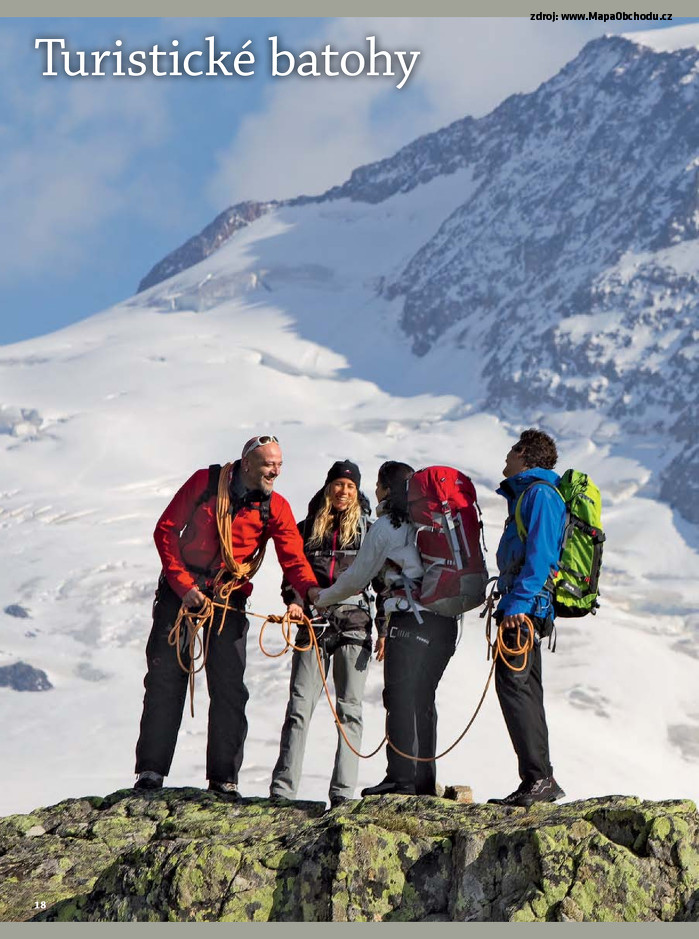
pixel 344 469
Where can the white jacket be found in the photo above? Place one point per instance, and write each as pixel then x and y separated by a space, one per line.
pixel 382 543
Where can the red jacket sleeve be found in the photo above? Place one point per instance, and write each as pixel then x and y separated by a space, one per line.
pixel 170 524
pixel 288 544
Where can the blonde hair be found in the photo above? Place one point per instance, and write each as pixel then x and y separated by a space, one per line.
pixel 325 518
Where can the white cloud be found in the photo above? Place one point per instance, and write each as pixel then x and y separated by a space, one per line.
pixel 82 155
pixel 312 132
pixel 70 153
pixel 305 139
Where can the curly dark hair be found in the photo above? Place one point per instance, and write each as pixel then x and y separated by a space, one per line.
pixel 537 449
pixel 394 476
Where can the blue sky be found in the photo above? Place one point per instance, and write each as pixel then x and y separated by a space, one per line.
pixel 104 176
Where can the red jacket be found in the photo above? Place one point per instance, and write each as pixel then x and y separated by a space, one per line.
pixel 187 537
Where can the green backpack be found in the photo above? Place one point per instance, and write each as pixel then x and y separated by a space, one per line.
pixel 575 585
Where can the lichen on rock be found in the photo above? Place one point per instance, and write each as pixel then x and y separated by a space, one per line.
pixel 185 855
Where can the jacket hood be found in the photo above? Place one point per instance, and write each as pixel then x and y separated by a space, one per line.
pixel 514 486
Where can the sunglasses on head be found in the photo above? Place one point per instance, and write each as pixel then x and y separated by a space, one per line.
pixel 259 442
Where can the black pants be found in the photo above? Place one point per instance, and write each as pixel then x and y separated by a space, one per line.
pixel 166 691
pixel 412 670
pixel 521 696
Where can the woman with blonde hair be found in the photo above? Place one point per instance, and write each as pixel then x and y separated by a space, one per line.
pixel 332 532
pixel 420 642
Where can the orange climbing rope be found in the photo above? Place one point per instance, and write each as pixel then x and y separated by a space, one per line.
pixel 497 648
pixel 196 621
pixel 286 624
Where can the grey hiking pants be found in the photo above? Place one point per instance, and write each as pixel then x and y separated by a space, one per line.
pixel 350 666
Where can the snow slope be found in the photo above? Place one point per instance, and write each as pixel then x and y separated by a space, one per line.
pixel 104 420
pixel 289 328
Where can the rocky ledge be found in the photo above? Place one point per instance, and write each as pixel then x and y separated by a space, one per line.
pixel 183 855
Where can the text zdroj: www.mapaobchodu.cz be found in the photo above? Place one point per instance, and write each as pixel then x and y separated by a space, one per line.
pixel 601 17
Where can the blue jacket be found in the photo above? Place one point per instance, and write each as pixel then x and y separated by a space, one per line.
pixel 525 565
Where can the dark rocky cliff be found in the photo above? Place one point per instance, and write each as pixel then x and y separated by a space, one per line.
pixel 206 242
pixel 184 855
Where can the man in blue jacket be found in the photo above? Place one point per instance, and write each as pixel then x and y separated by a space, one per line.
pixel 525 567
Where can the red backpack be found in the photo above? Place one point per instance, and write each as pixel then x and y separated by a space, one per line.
pixel 442 505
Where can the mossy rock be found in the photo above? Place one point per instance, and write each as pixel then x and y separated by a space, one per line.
pixel 185 855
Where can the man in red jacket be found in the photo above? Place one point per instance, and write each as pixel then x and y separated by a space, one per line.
pixel 188 539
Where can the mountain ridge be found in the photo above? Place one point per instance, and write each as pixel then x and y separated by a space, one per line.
pixel 580 192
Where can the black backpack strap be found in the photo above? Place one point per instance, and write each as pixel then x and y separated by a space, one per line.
pixel 211 485
pixel 264 513
pixel 262 506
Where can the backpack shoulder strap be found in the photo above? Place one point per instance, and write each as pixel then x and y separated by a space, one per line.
pixel 211 485
pixel 521 529
pixel 264 512
pixel 212 490
pixel 362 528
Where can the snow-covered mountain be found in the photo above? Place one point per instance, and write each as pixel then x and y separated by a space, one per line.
pixel 565 264
pixel 559 293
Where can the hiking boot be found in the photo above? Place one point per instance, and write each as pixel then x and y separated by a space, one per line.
pixel 275 799
pixel 529 792
pixel 513 796
pixel 389 787
pixel 229 789
pixel 336 801
pixel 149 779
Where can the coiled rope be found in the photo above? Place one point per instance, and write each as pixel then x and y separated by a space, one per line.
pixel 286 623
pixel 497 649
pixel 230 578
